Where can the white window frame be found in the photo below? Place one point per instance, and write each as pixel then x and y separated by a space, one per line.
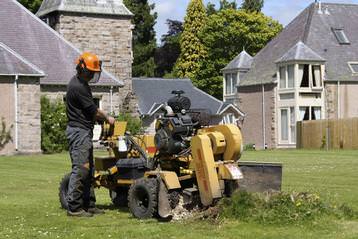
pixel 289 125
pixel 344 41
pixel 310 77
pixel 285 67
pixel 310 107
pixel 229 119
pixel 233 88
pixel 99 98
pixel 293 80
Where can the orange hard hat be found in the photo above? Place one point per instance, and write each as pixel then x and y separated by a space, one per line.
pixel 90 61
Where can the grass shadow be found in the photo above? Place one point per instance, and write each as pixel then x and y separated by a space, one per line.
pixel 112 207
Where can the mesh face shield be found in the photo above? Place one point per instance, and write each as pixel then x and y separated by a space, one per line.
pixel 92 76
pixel 95 76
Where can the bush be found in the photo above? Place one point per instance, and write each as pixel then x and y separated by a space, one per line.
pixel 5 134
pixel 249 147
pixel 53 126
pixel 134 124
pixel 280 208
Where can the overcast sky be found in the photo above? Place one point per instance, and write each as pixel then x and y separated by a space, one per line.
pixel 282 10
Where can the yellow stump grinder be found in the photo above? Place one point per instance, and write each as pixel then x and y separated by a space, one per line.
pixel 185 158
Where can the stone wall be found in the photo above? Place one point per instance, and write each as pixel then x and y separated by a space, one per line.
pixel 7 111
pixel 28 111
pixel 347 101
pixel 29 115
pixel 250 102
pixel 331 100
pixel 110 37
pixel 54 92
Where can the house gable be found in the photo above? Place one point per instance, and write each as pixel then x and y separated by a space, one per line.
pixel 153 92
pixel 34 40
pixel 322 39
pixel 300 52
pixel 242 61
pixel 263 68
pixel 315 29
pixel 11 63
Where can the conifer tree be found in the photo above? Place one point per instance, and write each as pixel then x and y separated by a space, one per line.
pixel 167 54
pixel 144 42
pixel 252 5
pixel 192 49
pixel 32 5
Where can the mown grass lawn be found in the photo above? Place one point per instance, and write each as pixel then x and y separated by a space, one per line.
pixel 29 205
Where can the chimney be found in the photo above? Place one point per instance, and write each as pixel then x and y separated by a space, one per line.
pixel 326 11
pixel 320 7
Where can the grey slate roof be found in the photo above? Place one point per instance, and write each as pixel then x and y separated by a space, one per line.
pixel 241 61
pixel 107 7
pixel 300 52
pixel 152 92
pixel 12 63
pixel 315 31
pixel 31 38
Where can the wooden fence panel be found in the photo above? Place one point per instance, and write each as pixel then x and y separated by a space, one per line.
pixel 355 133
pixel 328 134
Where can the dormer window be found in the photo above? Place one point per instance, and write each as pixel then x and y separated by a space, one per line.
pixel 316 76
pixel 287 77
pixel 310 76
pixel 341 36
pixel 354 67
pixel 283 77
pixel 230 83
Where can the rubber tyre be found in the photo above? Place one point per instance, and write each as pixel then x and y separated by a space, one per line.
pixel 119 196
pixel 143 198
pixel 63 191
pixel 173 198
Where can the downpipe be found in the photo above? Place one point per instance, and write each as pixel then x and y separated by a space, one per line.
pixel 16 114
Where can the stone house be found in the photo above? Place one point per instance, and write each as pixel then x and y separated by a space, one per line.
pixel 102 27
pixel 308 72
pixel 36 47
pixel 44 48
pixel 20 101
pixel 153 93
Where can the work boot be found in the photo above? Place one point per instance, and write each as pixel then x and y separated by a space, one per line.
pixel 80 213
pixel 95 210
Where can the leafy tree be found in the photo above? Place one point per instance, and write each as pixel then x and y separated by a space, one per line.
pixel 144 42
pixel 223 4
pixel 168 53
pixel 53 126
pixel 5 134
pixel 252 5
pixel 32 5
pixel 225 35
pixel 192 49
pixel 134 124
pixel 210 9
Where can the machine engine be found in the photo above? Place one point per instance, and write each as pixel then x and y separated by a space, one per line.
pixel 175 127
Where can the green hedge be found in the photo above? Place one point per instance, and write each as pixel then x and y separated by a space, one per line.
pixel 54 122
pixel 53 126
pixel 134 124
pixel 5 134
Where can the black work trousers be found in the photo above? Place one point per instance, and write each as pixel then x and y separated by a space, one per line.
pixel 80 190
